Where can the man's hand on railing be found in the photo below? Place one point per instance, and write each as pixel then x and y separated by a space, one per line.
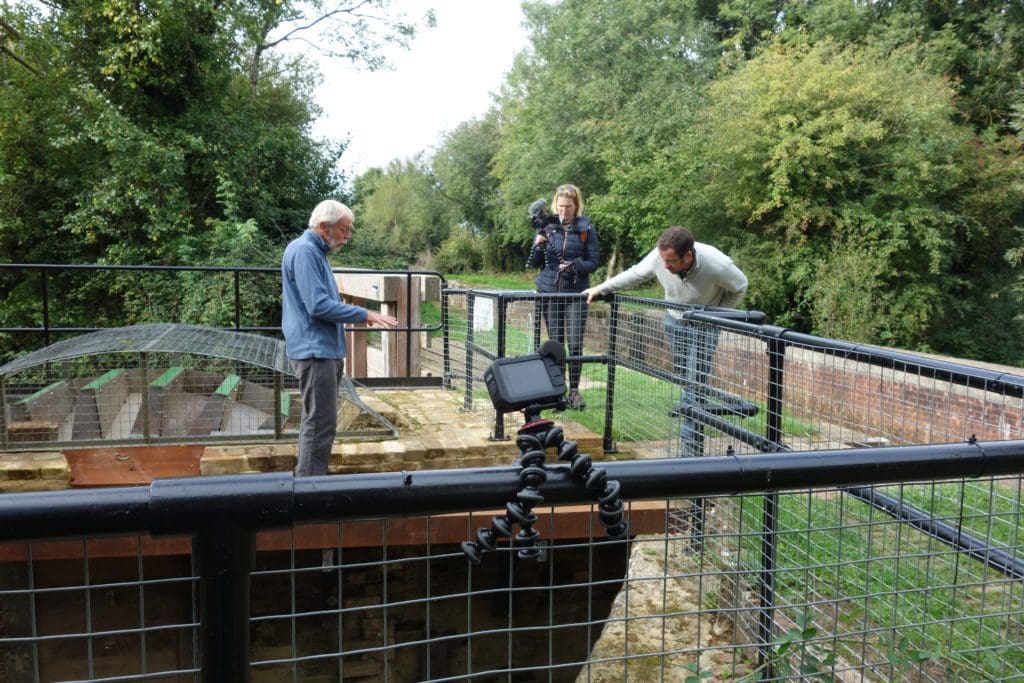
pixel 592 293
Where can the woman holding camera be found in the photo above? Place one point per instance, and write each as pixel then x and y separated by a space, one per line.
pixel 566 250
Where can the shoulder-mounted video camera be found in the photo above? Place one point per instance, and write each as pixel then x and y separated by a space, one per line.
pixel 540 218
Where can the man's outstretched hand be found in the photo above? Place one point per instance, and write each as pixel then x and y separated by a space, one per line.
pixel 380 320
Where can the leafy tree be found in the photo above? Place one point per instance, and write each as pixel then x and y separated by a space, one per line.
pixel 462 167
pixel 843 185
pixel 145 133
pixel 603 88
pixel 404 213
pixel 979 46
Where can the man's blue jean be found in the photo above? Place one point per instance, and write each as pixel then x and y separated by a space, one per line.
pixel 693 348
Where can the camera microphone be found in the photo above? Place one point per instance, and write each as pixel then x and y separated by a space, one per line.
pixel 553 350
pixel 538 208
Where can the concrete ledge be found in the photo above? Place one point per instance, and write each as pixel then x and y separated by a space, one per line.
pixel 34 471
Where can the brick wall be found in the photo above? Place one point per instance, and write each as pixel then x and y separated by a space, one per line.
pixel 903 407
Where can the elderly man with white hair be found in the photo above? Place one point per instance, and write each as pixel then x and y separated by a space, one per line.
pixel 311 319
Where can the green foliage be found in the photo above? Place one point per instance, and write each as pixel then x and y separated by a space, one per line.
pixel 604 87
pixel 696 674
pixel 902 657
pixel 462 170
pixel 851 157
pixel 463 251
pixel 166 133
pixel 843 186
pixel 862 162
pixel 403 214
pixel 488 280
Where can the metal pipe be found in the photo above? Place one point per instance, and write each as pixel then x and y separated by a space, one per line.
pixel 277 499
pixel 46 307
pixel 446 352
pixel 238 302
pixel 225 555
pixel 947 533
pixel 499 418
pixel 769 522
pixel 467 400
pixel 409 303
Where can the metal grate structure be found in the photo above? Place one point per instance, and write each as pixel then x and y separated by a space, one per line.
pixel 859 594
pixel 160 383
pixel 842 512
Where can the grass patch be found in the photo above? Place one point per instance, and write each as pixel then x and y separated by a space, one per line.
pixel 892 578
pixel 516 281
pixel 525 280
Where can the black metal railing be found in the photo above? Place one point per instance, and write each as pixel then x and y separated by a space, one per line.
pixel 778 378
pixel 223 514
pixel 773 344
pixel 49 319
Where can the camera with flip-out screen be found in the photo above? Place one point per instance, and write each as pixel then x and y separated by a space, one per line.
pixel 541 220
pixel 530 383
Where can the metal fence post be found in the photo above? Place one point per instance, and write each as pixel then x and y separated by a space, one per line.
pixel 446 352
pixel 144 395
pixel 46 306
pixel 467 402
pixel 278 418
pixel 538 307
pixel 609 397
pixel 238 303
pixel 499 418
pixel 224 556
pixel 3 413
pixel 773 433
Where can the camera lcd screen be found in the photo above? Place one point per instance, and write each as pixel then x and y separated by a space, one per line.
pixel 527 379
pixel 515 383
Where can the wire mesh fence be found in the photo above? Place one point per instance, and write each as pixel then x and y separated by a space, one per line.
pixel 96 610
pixel 671 380
pixel 858 595
pixel 149 383
pixel 758 556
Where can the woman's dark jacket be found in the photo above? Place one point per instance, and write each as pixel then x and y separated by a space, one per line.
pixel 566 245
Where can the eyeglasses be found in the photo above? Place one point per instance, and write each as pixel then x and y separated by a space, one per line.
pixel 566 190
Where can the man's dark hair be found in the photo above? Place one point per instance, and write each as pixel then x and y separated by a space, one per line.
pixel 678 239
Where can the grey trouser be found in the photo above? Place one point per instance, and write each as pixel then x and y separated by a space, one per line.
pixel 318 386
pixel 566 321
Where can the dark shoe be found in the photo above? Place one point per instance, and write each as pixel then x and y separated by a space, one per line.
pixel 678 410
pixel 576 401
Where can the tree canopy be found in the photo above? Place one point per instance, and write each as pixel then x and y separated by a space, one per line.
pixel 860 161
pixel 168 132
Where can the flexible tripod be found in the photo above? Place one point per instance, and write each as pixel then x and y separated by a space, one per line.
pixel 533 439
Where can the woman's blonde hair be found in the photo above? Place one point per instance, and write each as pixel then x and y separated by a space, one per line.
pixel 573 193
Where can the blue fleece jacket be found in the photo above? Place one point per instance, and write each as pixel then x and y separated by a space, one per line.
pixel 311 308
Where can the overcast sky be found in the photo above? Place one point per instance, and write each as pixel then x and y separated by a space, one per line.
pixel 445 78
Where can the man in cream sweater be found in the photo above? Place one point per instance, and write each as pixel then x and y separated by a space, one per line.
pixel 691 273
